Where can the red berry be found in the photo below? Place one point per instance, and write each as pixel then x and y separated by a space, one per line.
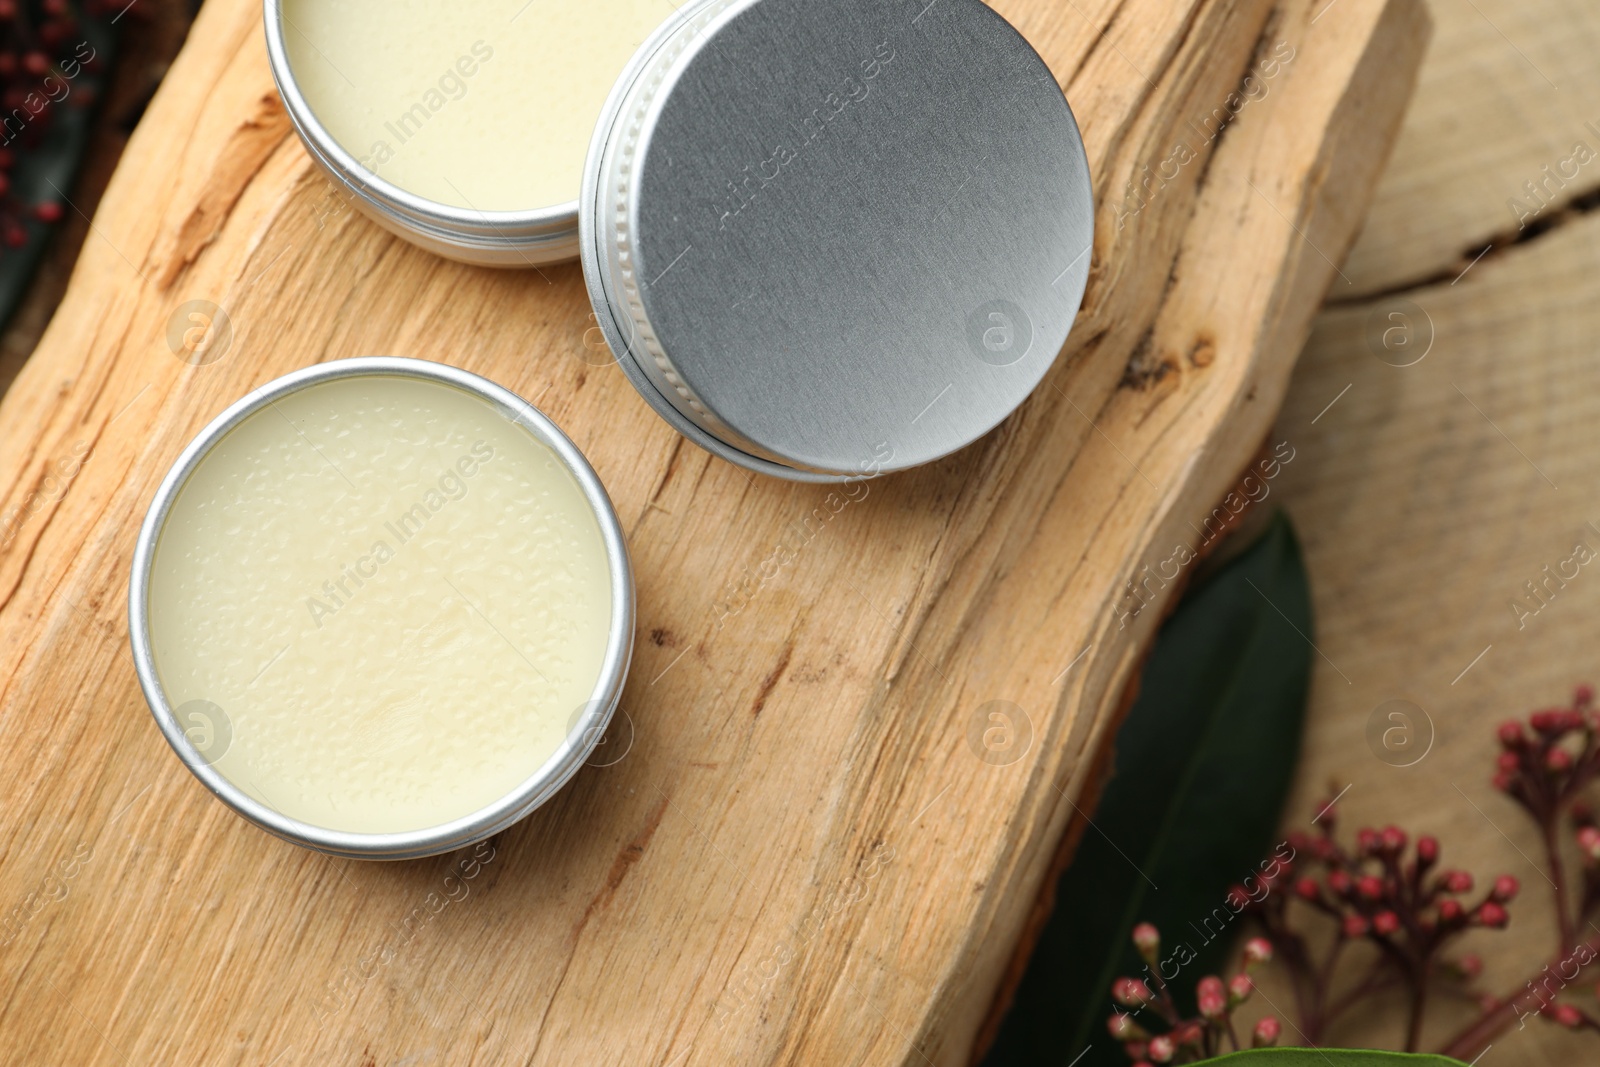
pixel 1367 841
pixel 1546 722
pixel 1210 997
pixel 1306 888
pixel 1427 849
pixel 1558 760
pixel 1583 696
pixel 36 63
pixel 1449 911
pixel 1505 889
pixel 1509 762
pixel 1163 1048
pixel 1370 886
pixel 1492 914
pixel 1393 839
pixel 1240 986
pixel 1122 1027
pixel 1386 923
pixel 1568 1016
pixel 1470 965
pixel 1457 882
pixel 1266 1033
pixel 1188 1033
pixel 1146 938
pixel 1339 882
pixel 49 211
pixel 1257 950
pixel 1354 926
pixel 1511 735
pixel 1130 992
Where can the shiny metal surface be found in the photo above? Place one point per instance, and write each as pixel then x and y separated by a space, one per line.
pixel 834 238
pixel 584 731
pixel 486 238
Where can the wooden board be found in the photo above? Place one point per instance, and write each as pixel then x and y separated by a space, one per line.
pixel 1424 507
pixel 1509 88
pixel 1422 499
pixel 804 857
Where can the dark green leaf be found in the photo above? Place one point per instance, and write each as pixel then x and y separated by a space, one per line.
pixel 1202 767
pixel 1325 1057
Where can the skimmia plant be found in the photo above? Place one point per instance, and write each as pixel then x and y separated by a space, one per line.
pixel 1392 893
pixel 44 54
pixel 1180 1039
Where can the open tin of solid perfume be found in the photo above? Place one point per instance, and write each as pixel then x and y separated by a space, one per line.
pixel 460 127
pixel 834 239
pixel 381 608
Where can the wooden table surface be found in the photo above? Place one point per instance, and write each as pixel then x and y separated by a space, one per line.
pixel 1427 495
pixel 809 854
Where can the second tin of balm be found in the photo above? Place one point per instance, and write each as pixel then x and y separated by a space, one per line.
pixel 461 127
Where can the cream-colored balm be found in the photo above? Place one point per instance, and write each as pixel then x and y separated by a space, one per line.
pixel 480 104
pixel 376 605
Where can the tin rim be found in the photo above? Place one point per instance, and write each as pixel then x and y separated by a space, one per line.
pixel 615 325
pixel 582 737
pixel 531 237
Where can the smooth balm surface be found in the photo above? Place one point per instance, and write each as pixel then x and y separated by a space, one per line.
pixel 481 104
pixel 395 599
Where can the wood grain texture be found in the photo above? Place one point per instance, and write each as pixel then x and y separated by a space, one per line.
pixel 1429 494
pixel 1423 502
pixel 1509 88
pixel 802 858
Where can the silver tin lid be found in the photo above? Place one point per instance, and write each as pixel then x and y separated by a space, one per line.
pixel 831 238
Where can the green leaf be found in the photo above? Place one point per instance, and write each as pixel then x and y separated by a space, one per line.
pixel 1329 1057
pixel 1203 764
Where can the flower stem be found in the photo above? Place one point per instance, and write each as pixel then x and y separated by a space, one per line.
pixel 1565 919
pixel 1419 999
pixel 1491 1024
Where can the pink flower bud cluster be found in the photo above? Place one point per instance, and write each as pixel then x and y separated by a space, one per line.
pixel 1185 1040
pixel 1382 892
pixel 1544 762
pixel 42 49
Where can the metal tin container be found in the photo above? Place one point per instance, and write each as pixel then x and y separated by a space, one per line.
pixel 486 238
pixel 585 729
pixel 834 239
